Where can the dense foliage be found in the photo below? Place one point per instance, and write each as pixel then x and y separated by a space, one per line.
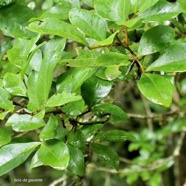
pixel 93 92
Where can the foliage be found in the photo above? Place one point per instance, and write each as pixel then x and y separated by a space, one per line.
pixel 91 85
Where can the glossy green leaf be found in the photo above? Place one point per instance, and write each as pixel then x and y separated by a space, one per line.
pixel 18 55
pixel 74 108
pixel 94 89
pixel 112 58
pixel 76 163
pixel 54 153
pixel 85 58
pixel 5 136
pixel 36 60
pixel 43 80
pixel 35 161
pixel 161 11
pixel 108 40
pixel 49 131
pixel 57 27
pixel 62 98
pixel 112 72
pixel 151 43
pixel 89 22
pixel 13 155
pixel 156 88
pixel 106 154
pixel 5 45
pixel 113 10
pixel 5 103
pixel 13 23
pixel 58 11
pixel 172 60
pixel 117 115
pixel 115 135
pixel 72 80
pixel 76 139
pixel 3 115
pixel 14 84
pixel 24 122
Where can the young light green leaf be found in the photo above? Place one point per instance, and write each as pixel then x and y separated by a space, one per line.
pixel 62 98
pixel 156 88
pixel 89 22
pixel 161 11
pixel 14 84
pixel 113 10
pixel 151 43
pixel 5 103
pixel 172 60
pixel 35 161
pixel 106 154
pixel 112 58
pixel 76 163
pixel 112 72
pixel 5 136
pixel 72 80
pixel 13 155
pixel 182 4
pixel 57 27
pixel 117 115
pixel 94 89
pixel 24 122
pixel 115 135
pixel 108 40
pixel 43 79
pixel 49 131
pixel 18 55
pixel 54 153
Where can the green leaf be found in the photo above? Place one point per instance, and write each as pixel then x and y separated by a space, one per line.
pixel 24 122
pixel 43 80
pixel 76 164
pixel 13 155
pixel 5 45
pixel 151 43
pixel 13 22
pixel 57 27
pixel 61 99
pixel 172 60
pixel 106 154
pixel 13 83
pixel 113 10
pixel 112 58
pixel 108 40
pixel 58 11
pixel 182 4
pixel 35 161
pixel 72 80
pixel 5 136
pixel 49 131
pixel 115 135
pixel 54 153
pixel 117 115
pixel 112 72
pixel 156 88
pixel 76 139
pixel 5 103
pixel 18 55
pixel 89 22
pixel 74 108
pixel 86 58
pixel 161 11
pixel 94 89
